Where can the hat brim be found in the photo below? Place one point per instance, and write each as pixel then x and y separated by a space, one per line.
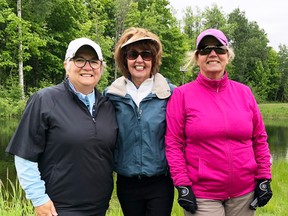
pixel 220 40
pixel 134 40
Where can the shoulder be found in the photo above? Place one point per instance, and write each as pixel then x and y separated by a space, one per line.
pixel 162 87
pixel 51 90
pixel 47 97
pixel 240 86
pixel 118 87
pixel 186 87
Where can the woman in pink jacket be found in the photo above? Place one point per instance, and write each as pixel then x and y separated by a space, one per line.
pixel 216 142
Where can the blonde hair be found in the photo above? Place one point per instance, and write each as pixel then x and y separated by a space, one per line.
pixel 136 35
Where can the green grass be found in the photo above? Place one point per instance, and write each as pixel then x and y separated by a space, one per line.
pixel 274 111
pixel 13 202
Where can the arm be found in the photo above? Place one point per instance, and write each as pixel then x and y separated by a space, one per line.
pixel 260 146
pixel 30 180
pixel 263 192
pixel 175 144
pixel 175 139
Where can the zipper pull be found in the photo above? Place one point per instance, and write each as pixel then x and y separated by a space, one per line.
pixel 139 112
pixel 94 113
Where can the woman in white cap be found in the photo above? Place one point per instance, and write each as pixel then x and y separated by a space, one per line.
pixel 144 185
pixel 64 143
pixel 216 143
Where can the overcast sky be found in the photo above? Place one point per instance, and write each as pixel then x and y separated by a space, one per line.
pixel 270 15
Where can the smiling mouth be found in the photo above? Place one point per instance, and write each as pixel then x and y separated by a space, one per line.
pixel 139 67
pixel 86 75
pixel 212 62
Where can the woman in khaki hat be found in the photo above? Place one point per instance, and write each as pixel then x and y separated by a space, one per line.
pixel 144 186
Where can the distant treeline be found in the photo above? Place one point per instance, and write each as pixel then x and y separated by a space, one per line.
pixel 34 36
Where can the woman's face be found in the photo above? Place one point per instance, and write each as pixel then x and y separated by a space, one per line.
pixel 212 65
pixel 85 78
pixel 139 62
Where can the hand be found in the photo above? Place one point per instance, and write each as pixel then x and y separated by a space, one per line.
pixel 47 209
pixel 263 192
pixel 187 199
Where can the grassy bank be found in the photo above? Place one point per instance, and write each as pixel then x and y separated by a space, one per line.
pixel 276 206
pixel 13 202
pixel 274 111
pixel 279 184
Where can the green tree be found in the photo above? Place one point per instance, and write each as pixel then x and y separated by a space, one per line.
pixel 122 7
pixel 274 75
pixel 63 21
pixel 101 15
pixel 259 83
pixel 282 92
pixel 193 25
pixel 10 51
pixel 251 53
pixel 155 15
pixel 8 23
pixel 211 17
pixel 214 17
pixel 48 26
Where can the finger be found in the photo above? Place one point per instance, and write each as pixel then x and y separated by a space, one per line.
pixel 53 210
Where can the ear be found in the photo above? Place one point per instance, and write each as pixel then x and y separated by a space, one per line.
pixel 65 64
pixel 228 58
pixel 196 58
pixel 67 68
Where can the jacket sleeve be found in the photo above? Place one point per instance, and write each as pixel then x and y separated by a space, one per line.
pixel 260 145
pixel 28 140
pixel 175 139
pixel 30 180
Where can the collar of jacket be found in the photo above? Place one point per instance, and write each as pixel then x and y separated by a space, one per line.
pixel 99 98
pixel 216 85
pixel 160 87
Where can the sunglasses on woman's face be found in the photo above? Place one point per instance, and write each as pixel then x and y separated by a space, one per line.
pixel 146 55
pixel 208 49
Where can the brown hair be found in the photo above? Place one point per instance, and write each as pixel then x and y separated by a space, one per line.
pixel 142 38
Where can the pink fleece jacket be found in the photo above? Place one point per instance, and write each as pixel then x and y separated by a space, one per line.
pixel 216 140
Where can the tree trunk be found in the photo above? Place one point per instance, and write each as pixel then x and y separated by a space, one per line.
pixel 121 13
pixel 20 51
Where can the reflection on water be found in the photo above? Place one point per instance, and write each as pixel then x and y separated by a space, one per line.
pixel 278 141
pixel 277 138
pixel 7 168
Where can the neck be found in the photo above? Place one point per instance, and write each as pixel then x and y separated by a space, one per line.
pixel 213 75
pixel 84 90
pixel 137 82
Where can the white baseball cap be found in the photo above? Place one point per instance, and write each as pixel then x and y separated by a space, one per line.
pixel 79 42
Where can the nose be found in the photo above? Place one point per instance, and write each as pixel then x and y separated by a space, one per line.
pixel 139 58
pixel 212 52
pixel 87 66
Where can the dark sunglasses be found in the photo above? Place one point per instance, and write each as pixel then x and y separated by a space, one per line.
pixel 208 49
pixel 146 55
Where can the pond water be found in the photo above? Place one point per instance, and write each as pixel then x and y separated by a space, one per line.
pixel 277 138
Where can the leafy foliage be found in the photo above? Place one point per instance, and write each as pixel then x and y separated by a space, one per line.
pixel 48 27
pixel 255 64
